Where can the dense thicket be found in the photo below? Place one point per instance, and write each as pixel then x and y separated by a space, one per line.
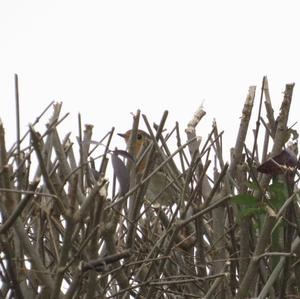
pixel 70 229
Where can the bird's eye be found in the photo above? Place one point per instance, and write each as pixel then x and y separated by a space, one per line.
pixel 139 136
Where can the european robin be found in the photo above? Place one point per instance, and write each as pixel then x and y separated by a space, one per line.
pixel 157 190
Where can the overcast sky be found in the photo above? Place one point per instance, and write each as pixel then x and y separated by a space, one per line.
pixel 106 59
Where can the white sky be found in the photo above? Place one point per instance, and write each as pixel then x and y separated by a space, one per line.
pixel 105 59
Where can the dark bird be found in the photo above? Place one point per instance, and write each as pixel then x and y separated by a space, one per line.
pixel 284 162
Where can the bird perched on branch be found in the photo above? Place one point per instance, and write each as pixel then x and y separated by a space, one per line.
pixel 159 190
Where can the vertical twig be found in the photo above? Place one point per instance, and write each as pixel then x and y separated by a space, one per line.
pixel 17 117
pixel 80 150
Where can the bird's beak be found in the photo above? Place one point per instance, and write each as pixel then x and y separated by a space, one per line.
pixel 121 134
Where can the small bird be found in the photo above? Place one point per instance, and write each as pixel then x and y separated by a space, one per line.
pixel 286 161
pixel 156 191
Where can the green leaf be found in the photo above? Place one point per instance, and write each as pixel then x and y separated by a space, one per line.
pixel 249 205
pixel 295 134
pixel 291 133
pixel 251 212
pixel 253 186
pixel 278 193
pixel 245 199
